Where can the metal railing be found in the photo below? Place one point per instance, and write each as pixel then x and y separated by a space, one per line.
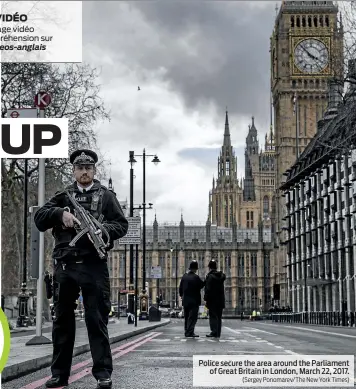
pixel 345 319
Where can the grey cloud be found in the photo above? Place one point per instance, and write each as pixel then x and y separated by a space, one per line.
pixel 145 131
pixel 226 61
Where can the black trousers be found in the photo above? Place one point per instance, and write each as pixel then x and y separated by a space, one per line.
pixel 215 315
pixel 190 319
pixel 92 276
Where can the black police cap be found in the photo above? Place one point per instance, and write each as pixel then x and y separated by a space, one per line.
pixel 83 157
pixel 193 265
pixel 213 265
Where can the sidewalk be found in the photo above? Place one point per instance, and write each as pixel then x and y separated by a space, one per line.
pixel 26 359
pixel 16 330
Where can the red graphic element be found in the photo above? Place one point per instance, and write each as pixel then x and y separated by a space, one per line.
pixel 42 100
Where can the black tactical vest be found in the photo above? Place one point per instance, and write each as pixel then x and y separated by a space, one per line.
pixel 91 201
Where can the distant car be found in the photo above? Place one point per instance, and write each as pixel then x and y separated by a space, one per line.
pixel 174 313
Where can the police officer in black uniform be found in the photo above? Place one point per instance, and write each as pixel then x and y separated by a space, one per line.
pixel 80 267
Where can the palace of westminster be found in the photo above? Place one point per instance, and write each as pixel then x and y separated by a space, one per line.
pixel 263 249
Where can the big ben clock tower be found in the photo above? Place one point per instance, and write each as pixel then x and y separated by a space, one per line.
pixel 306 53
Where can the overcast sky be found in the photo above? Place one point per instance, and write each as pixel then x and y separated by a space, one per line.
pixel 191 61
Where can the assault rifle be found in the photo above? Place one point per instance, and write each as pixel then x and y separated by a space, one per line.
pixel 89 226
pixel 49 285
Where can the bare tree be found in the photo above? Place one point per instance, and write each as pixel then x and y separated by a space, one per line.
pixel 75 95
pixel 347 52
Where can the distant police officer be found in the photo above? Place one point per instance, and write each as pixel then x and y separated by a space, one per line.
pixel 81 267
pixel 214 296
pixel 190 292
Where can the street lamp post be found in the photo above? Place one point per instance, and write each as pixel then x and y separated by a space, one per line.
pixel 155 161
pixel 23 319
pixel 176 279
pixel 143 295
pixel 131 304
pixel 176 266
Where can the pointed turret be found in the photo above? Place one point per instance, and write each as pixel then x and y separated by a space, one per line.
pixel 226 161
pixel 155 230
pixel 251 150
pixel 181 228
pixel 226 181
pixel 252 138
pixel 227 138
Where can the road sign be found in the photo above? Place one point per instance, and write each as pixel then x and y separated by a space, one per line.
pixel 133 235
pixel 22 113
pixel 156 272
pixel 42 100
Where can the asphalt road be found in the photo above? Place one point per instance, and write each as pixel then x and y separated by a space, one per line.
pixel 162 358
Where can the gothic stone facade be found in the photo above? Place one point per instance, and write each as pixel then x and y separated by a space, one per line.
pixel 248 200
pixel 243 254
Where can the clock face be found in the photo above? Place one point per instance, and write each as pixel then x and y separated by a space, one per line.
pixel 311 56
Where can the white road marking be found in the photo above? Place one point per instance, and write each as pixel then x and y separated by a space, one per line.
pixel 266 332
pixel 269 343
pixel 290 352
pixel 159 340
pixel 320 331
pixel 254 352
pixel 173 358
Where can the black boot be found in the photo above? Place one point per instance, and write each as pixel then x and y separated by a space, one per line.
pixel 57 382
pixel 104 383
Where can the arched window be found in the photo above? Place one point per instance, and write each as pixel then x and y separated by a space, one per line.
pixel 265 205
